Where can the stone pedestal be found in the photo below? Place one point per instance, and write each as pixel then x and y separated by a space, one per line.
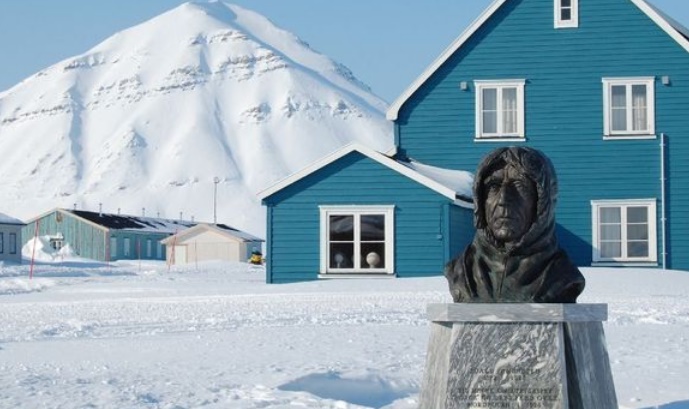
pixel 495 356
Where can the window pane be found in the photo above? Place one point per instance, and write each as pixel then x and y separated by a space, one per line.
pixel 490 122
pixel 639 112
pixel 341 228
pixel 341 255
pixel 637 215
pixel 373 227
pixel 509 110
pixel 566 14
pixel 611 232
pixel 637 232
pixel 619 96
pixel 618 107
pixel 610 249
pixel 610 215
pixel 490 111
pixel 373 255
pixel 566 3
pixel 619 119
pixel 637 249
pixel 490 99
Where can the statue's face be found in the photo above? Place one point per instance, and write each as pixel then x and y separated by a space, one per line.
pixel 510 206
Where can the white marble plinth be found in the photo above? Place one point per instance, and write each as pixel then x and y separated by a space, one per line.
pixel 495 356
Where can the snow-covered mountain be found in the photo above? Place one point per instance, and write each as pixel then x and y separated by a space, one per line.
pixel 149 117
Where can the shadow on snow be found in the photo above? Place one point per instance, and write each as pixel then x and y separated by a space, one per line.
pixel 369 390
pixel 674 405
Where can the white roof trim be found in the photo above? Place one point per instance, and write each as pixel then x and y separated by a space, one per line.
pixel 394 109
pixel 670 26
pixel 370 153
pixel 182 235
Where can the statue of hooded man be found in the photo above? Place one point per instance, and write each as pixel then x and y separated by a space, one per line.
pixel 514 257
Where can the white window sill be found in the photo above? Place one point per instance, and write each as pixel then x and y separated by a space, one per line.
pixel 355 275
pixel 627 137
pixel 624 264
pixel 505 139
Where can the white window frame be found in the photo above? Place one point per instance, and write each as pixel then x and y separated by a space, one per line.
pixel 608 83
pixel 596 205
pixel 500 86
pixel 357 211
pixel 573 22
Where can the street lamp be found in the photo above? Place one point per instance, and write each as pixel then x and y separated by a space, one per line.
pixel 216 180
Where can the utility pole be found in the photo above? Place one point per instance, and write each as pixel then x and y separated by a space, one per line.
pixel 216 180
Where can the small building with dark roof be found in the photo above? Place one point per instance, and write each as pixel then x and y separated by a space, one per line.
pixel 205 242
pixel 10 239
pixel 103 236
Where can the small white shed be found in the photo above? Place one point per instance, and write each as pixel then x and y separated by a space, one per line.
pixel 10 239
pixel 205 242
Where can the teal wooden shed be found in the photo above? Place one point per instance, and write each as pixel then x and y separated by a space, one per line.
pixel 103 236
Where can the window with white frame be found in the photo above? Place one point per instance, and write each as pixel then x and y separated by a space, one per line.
pixel 499 109
pixel 149 248
pixel 629 106
pixel 357 239
pixel 624 231
pixel 566 13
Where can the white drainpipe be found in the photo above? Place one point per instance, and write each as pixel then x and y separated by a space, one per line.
pixel 663 220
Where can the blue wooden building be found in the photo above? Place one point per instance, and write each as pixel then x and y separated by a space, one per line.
pixel 601 87
pixel 103 236
pixel 360 213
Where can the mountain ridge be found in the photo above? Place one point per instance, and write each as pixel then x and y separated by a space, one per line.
pixel 152 115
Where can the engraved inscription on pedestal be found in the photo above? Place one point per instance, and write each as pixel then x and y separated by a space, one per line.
pixel 498 366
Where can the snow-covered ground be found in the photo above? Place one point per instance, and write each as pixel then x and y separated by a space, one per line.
pixel 214 335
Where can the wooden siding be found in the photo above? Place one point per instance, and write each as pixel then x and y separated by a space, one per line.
pixel 462 230
pixel 293 244
pixel 6 254
pixel 89 241
pixel 85 239
pixel 563 69
pixel 137 245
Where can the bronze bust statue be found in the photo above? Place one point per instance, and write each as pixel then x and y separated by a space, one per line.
pixel 514 257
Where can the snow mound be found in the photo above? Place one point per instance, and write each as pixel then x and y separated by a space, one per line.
pixel 39 249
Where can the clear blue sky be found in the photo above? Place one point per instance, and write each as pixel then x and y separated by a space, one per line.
pixel 386 43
